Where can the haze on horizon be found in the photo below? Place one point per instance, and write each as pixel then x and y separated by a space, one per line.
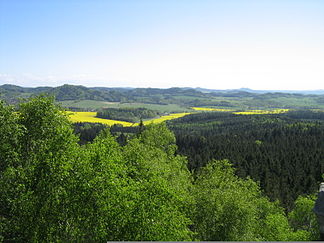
pixel 270 44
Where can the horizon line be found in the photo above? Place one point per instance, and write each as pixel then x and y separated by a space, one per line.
pixel 181 87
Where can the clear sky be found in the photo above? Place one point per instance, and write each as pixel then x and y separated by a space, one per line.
pixel 219 44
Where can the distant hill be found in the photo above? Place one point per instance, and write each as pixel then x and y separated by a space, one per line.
pixel 12 93
pixel 77 92
pixel 187 97
pixel 315 92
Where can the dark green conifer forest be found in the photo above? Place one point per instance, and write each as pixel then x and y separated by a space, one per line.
pixel 139 185
pixel 283 152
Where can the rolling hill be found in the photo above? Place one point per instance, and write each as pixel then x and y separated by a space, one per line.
pixel 185 97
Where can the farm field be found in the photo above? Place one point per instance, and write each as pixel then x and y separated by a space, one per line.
pixel 261 112
pixel 209 109
pixel 166 118
pixel 95 105
pixel 91 117
pixel 246 112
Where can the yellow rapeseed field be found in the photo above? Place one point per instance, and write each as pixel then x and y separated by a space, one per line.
pixel 91 117
pixel 208 109
pixel 166 117
pixel 260 112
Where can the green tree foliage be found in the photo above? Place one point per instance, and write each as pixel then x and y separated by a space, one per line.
pixel 226 207
pixel 302 217
pixel 99 192
pixel 52 189
pixel 88 131
pixel 34 183
pixel 10 133
pixel 230 208
pixel 277 228
pixel 164 184
pixel 127 114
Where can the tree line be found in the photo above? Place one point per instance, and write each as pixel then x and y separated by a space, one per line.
pixel 127 114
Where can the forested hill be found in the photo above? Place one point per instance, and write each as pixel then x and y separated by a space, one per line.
pixel 73 92
pixel 241 98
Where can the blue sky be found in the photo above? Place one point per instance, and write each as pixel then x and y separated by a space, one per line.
pixel 259 44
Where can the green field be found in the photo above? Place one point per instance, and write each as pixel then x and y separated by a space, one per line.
pixel 92 105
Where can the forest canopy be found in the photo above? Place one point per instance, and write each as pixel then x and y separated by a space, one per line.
pixel 283 152
pixel 127 114
pixel 53 189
